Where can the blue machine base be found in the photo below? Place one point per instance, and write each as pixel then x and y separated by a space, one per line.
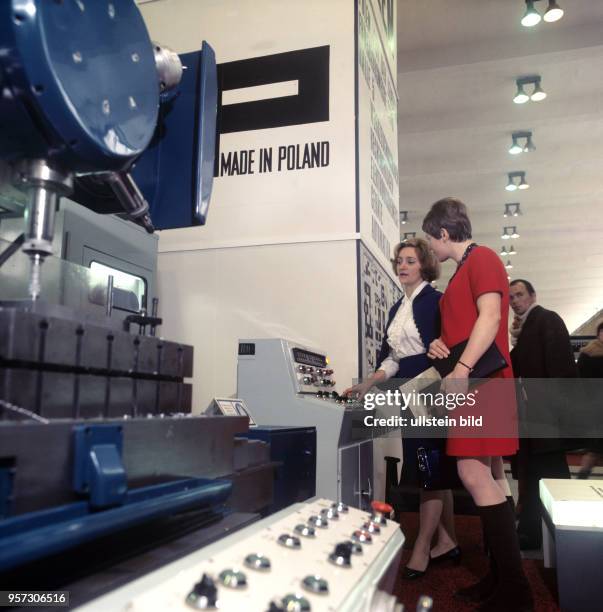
pixel 38 534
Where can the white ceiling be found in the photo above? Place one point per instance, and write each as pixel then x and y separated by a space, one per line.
pixel 457 65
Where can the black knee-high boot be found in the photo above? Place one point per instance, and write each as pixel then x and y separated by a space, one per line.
pixel 512 590
pixel 485 587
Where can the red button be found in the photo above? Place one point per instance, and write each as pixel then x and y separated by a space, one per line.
pixel 381 507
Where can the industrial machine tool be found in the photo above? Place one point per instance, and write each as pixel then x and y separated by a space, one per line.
pixel 84 94
pixel 321 555
pixel 288 384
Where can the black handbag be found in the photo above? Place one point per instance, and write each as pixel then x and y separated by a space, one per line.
pixel 490 362
pixel 437 470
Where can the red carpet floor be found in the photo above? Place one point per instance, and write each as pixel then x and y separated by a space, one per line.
pixel 443 579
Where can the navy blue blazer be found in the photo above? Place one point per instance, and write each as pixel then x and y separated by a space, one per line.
pixel 426 313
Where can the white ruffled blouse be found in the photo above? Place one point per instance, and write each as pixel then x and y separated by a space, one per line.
pixel 403 336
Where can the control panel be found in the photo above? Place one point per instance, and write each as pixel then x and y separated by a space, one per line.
pixel 321 555
pixel 287 384
pixel 314 375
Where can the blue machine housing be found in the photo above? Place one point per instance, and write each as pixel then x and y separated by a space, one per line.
pixel 80 86
pixel 107 505
pixel 176 172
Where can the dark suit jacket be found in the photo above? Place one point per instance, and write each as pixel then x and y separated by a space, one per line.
pixel 543 350
pixel 426 313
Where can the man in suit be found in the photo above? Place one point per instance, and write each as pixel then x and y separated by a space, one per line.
pixel 542 349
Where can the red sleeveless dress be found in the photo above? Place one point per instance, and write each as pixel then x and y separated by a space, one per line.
pixel 482 272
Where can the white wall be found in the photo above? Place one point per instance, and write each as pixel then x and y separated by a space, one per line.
pixel 305 292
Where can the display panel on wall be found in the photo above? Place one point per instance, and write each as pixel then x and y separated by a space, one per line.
pixel 378 127
pixel 378 293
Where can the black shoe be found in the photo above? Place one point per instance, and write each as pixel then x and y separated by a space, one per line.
pixel 454 555
pixel 408 573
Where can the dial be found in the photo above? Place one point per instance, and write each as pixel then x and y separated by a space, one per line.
pixel 258 562
pixel 289 541
pixel 315 584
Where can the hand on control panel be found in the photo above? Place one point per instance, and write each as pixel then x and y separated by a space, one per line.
pixel 358 391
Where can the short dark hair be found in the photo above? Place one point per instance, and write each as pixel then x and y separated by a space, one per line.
pixel 430 266
pixel 528 285
pixel 599 328
pixel 449 214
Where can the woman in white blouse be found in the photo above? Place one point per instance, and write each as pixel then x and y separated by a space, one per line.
pixel 412 325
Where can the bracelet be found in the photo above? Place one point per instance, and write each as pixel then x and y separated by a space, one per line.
pixel 464 364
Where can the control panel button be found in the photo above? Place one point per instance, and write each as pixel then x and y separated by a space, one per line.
pixel 364 537
pixel 318 521
pixel 305 530
pixel 342 555
pixel 233 579
pixel 204 595
pixel 315 584
pixel 381 507
pixel 258 562
pixel 330 513
pixel 381 512
pixel 378 519
pixel 295 603
pixel 289 541
pixel 340 507
pixel 371 527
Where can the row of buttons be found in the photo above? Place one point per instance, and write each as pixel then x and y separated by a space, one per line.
pixel 319 371
pixel 203 596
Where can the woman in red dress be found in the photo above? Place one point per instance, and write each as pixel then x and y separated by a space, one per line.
pixel 475 307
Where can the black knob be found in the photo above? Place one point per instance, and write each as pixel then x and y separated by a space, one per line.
pixel 341 555
pixel 275 608
pixel 343 549
pixel 204 594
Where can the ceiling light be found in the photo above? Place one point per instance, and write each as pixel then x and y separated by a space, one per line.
pixel 521 143
pixel 538 93
pixel 529 146
pixel 509 231
pixel 532 16
pixel 512 210
pixel 403 217
pixel 515 148
pixel 516 180
pixel 503 252
pixel 511 251
pixel 509 265
pixel 521 97
pixel 553 13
